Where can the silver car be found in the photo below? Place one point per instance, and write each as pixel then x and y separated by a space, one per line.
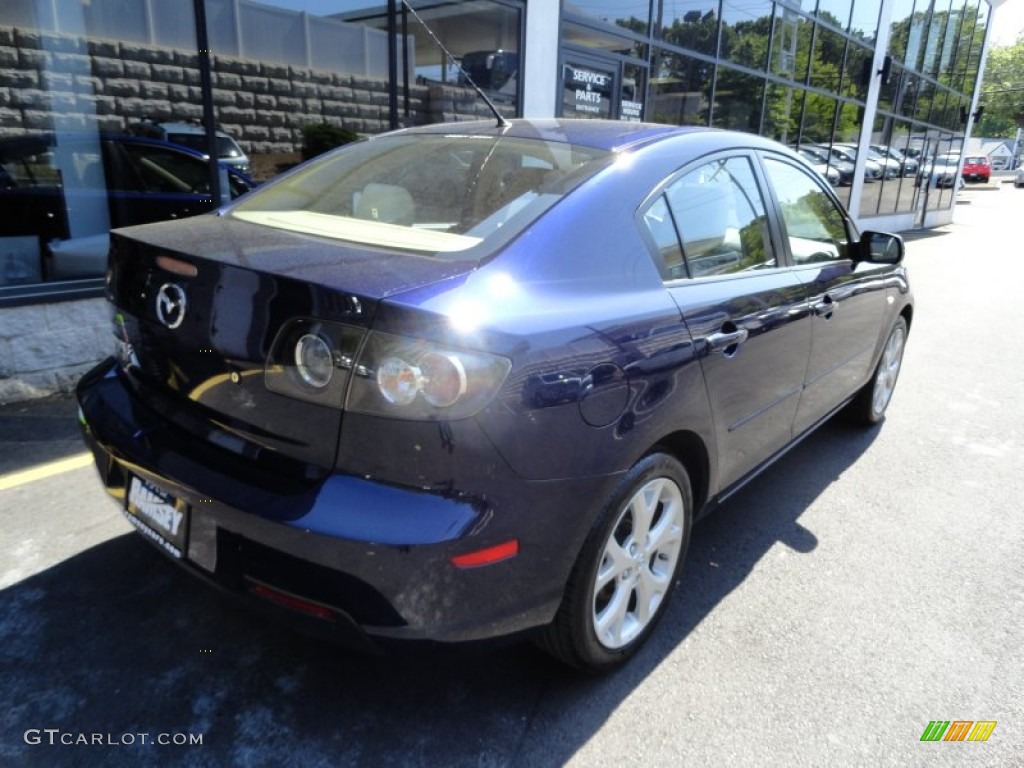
pixel 1018 180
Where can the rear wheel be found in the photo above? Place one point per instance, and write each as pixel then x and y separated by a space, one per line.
pixel 869 406
pixel 620 585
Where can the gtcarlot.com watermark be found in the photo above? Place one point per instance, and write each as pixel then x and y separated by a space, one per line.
pixel 56 737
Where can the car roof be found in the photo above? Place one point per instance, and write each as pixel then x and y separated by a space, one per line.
pixel 42 142
pixel 610 135
pixel 192 128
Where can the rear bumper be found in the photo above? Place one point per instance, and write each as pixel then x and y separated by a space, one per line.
pixel 376 558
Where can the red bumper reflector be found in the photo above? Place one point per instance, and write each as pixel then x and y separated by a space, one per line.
pixel 494 554
pixel 177 266
pixel 290 601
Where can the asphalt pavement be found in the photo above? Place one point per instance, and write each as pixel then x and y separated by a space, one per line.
pixel 869 584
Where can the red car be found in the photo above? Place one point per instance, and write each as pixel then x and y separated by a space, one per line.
pixel 976 168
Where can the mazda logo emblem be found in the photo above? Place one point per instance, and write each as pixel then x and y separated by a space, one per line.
pixel 170 305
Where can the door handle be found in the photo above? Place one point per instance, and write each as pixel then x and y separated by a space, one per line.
pixel 825 307
pixel 727 342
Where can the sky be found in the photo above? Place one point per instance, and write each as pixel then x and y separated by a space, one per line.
pixel 1008 22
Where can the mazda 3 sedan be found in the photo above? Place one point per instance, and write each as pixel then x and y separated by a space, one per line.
pixel 475 380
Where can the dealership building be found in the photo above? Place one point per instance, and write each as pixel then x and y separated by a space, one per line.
pixel 817 74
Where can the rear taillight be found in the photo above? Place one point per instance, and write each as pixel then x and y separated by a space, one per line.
pixel 312 360
pixel 416 379
pixel 380 373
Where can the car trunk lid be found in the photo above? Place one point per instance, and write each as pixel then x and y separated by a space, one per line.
pixel 197 332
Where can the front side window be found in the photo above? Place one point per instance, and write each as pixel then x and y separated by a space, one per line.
pixel 815 226
pixel 720 214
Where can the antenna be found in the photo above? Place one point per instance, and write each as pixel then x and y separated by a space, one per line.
pixel 502 122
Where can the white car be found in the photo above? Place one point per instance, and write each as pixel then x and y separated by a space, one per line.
pixel 1018 180
pixel 848 153
pixel 193 136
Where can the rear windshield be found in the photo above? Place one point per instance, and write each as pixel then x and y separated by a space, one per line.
pixel 436 194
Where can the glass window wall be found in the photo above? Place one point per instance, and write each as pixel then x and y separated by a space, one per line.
pixel 103 113
pixel 680 89
pixel 791 44
pixel 746 32
pixel 634 15
pixel 738 101
pixel 690 24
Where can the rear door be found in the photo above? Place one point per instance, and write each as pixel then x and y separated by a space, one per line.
pixel 847 300
pixel 150 182
pixel 746 312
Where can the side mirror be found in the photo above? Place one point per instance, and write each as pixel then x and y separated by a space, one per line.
pixel 880 248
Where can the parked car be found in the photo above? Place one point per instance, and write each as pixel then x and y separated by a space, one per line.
pixel 494 71
pixel 193 136
pixel 889 169
pixel 940 172
pixel 820 164
pixel 1018 179
pixel 817 155
pixel 392 411
pixel 908 165
pixel 65 193
pixel 976 168
pixel 848 154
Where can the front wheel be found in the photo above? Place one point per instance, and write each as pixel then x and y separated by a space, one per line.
pixel 621 582
pixel 869 406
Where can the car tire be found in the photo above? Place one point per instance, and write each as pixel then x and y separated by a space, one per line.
pixel 869 405
pixel 602 622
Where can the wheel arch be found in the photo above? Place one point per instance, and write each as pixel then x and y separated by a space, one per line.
pixel 907 313
pixel 689 450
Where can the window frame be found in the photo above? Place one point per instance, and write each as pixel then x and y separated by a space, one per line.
pixel 775 233
pixel 853 234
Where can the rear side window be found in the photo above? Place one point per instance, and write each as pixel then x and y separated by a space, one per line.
pixel 815 226
pixel 719 215
pixel 164 171
pixel 30 168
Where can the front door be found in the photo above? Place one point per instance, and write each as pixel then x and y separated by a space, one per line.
pixel 745 311
pixel 846 299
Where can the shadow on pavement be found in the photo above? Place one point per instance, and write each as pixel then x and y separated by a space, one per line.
pixel 117 640
pixel 912 235
pixel 38 431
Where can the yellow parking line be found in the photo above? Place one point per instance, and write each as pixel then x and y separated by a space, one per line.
pixel 50 469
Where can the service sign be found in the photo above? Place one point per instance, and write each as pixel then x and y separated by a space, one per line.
pixel 586 91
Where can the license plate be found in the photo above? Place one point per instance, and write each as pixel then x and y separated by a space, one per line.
pixel 158 515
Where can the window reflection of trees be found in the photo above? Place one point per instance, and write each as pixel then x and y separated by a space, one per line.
pixel 746 31
pixel 691 24
pixel 681 89
pixel 818 57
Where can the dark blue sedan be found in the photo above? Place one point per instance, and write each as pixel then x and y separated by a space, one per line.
pixel 469 380
pixel 66 191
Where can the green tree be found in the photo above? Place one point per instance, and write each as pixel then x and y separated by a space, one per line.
pixel 1002 92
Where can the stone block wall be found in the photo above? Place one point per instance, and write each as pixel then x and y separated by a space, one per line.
pixel 108 85
pixel 45 349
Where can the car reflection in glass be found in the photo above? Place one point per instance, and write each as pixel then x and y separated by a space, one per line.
pixel 67 191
